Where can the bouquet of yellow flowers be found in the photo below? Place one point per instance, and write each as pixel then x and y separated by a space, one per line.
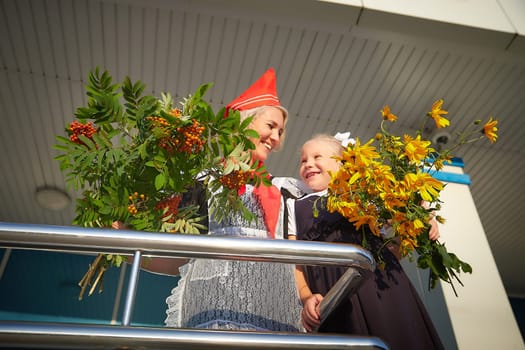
pixel 137 159
pixel 391 186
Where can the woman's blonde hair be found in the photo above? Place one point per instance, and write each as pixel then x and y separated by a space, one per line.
pixel 255 112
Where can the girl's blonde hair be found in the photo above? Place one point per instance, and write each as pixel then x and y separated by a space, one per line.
pixel 335 143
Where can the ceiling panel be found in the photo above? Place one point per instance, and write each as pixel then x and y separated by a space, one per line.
pixel 335 73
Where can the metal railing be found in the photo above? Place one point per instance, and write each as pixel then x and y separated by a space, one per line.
pixel 77 239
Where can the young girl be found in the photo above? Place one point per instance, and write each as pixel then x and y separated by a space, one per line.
pixel 386 305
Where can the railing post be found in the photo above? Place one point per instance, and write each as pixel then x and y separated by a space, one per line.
pixel 132 289
pixel 4 262
pixel 347 284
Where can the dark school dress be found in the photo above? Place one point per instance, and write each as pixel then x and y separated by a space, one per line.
pixel 385 306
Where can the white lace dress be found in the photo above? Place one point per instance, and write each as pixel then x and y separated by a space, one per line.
pixel 236 295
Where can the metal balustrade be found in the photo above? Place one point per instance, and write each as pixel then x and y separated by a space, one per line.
pixel 40 335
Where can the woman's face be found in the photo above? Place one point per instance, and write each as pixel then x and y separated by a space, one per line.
pixel 269 124
pixel 317 161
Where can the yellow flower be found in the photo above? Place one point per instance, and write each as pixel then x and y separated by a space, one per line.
pixel 383 177
pixel 410 228
pixel 407 245
pixel 426 185
pixel 369 220
pixel 440 162
pixel 418 224
pixel 440 219
pixel 361 155
pixel 490 130
pixel 436 113
pixel 347 207
pixel 416 149
pixel 387 115
pixel 393 145
pixel 391 200
pixel 401 191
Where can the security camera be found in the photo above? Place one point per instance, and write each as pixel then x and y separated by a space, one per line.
pixel 440 138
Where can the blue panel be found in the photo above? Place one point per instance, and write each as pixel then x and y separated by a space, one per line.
pixel 456 162
pixel 43 285
pixel 451 177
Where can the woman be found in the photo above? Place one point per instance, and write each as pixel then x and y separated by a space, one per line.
pixel 244 295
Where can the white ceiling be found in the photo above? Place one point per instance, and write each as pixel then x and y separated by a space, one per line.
pixel 337 66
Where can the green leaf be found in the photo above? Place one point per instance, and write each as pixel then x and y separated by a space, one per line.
pixel 229 167
pixel 61 148
pixel 87 141
pixel 252 134
pixel 466 267
pixel 160 181
pixel 118 260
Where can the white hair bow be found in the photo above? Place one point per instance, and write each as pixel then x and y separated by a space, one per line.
pixel 344 138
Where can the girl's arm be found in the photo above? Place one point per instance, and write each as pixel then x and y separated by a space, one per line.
pixel 310 315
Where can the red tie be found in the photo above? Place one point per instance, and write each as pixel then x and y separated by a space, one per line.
pixel 270 199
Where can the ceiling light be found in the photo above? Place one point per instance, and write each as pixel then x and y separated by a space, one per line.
pixel 52 198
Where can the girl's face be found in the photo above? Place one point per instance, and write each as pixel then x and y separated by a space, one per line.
pixel 316 162
pixel 269 124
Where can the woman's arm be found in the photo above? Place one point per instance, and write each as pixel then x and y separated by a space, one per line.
pixel 166 266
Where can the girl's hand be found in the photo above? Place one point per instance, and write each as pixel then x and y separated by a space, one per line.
pixel 310 315
pixel 433 234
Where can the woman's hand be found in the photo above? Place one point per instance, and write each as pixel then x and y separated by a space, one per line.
pixel 310 315
pixel 118 225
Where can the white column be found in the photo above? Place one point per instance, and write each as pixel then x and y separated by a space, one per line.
pixel 480 317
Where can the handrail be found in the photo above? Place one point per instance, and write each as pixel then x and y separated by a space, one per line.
pixel 78 239
pixel 81 239
pixel 48 336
